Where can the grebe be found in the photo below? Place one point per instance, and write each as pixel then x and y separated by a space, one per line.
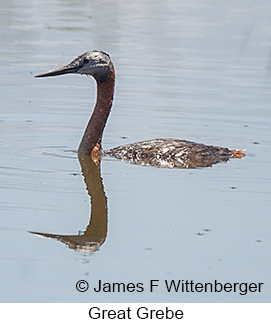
pixel 166 153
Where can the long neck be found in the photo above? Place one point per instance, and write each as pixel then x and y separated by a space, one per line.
pixel 91 140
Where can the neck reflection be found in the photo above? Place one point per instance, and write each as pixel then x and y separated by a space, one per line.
pixel 96 231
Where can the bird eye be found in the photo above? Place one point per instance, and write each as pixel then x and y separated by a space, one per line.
pixel 86 60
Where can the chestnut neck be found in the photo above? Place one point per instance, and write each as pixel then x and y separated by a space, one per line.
pixel 91 140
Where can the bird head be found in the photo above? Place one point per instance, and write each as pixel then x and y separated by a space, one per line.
pixel 95 63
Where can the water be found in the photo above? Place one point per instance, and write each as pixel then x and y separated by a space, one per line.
pixel 189 70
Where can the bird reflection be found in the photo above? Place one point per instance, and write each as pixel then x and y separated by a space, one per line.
pixel 96 231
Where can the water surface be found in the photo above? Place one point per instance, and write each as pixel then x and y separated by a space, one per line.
pixel 195 71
